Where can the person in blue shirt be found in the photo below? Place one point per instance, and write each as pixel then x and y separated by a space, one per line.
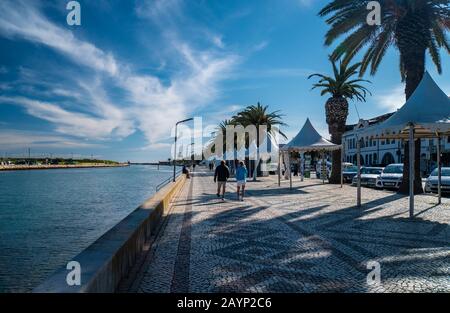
pixel 241 179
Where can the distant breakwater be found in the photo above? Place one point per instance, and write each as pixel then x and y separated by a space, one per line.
pixel 48 167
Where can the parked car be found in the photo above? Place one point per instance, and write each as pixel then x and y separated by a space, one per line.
pixel 369 176
pixel 392 177
pixel 431 184
pixel 349 172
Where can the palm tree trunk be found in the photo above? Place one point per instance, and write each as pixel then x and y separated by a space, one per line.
pixel 336 110
pixel 414 63
pixel 336 131
pixel 404 187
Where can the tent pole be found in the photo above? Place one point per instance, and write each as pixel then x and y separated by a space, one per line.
pixel 324 169
pixel 342 161
pixel 358 163
pixel 438 150
pixel 411 171
pixel 279 168
pixel 288 168
pixel 290 176
pixel 302 161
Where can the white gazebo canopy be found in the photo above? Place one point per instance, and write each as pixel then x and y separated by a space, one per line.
pixel 426 114
pixel 428 110
pixel 308 139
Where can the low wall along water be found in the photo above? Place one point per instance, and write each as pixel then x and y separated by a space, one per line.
pixel 109 259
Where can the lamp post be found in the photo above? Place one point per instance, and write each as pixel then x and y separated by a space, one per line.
pixel 411 170
pixel 175 148
pixel 358 162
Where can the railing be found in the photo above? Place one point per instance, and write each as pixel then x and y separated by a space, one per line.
pixel 168 180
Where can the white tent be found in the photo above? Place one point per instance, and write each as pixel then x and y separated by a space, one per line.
pixel 426 114
pixel 267 149
pixel 307 140
pixel 428 109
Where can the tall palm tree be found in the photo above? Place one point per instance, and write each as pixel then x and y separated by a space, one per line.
pixel 412 26
pixel 341 86
pixel 221 131
pixel 258 115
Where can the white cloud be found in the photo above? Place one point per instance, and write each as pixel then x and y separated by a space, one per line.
pixel 391 100
pixel 157 9
pixel 149 105
pixel 218 41
pixel 260 46
pixel 14 138
pixel 306 3
pixel 71 123
pixel 158 107
pixel 276 72
pixel 20 19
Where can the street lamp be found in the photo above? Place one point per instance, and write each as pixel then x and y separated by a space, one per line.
pixel 175 148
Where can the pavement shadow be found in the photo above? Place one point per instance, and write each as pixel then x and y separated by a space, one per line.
pixel 316 249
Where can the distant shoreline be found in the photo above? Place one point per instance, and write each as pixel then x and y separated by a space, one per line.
pixel 51 167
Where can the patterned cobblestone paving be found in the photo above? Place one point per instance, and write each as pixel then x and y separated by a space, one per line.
pixel 311 239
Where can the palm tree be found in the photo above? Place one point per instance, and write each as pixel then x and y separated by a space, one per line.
pixel 341 86
pixel 258 115
pixel 412 26
pixel 221 131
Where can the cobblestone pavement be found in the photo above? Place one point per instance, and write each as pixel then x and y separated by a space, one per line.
pixel 310 239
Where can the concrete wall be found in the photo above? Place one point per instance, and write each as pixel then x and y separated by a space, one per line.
pixel 107 261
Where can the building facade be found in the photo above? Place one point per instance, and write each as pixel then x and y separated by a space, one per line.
pixel 382 152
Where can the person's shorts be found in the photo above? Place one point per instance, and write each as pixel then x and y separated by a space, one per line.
pixel 241 183
pixel 221 184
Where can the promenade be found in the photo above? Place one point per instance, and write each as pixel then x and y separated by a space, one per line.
pixel 310 239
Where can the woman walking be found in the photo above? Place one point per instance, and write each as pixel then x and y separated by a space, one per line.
pixel 241 178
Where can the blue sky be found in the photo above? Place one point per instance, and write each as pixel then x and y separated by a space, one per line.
pixel 114 86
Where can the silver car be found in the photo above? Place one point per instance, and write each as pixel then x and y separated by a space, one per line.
pixel 431 184
pixel 392 177
pixel 369 176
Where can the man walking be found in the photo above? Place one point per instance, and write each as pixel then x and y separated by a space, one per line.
pixel 221 176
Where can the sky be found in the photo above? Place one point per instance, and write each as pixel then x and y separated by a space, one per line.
pixel 114 86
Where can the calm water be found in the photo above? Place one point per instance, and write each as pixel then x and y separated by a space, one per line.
pixel 49 216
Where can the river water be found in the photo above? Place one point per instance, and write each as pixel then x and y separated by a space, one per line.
pixel 49 216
